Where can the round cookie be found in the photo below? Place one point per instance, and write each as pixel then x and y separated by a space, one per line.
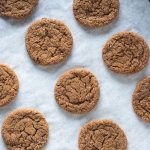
pixel 141 99
pixel 126 53
pixel 17 9
pixel 25 129
pixel 95 13
pixel 77 91
pixel 9 85
pixel 102 135
pixel 48 42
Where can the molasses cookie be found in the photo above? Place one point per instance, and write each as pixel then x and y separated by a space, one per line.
pixel 17 9
pixel 25 129
pixel 9 85
pixel 77 91
pixel 102 135
pixel 95 13
pixel 48 42
pixel 141 99
pixel 126 53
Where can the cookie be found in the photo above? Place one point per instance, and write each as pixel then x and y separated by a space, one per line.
pixel 9 85
pixel 95 13
pixel 102 135
pixel 48 42
pixel 126 53
pixel 25 129
pixel 17 9
pixel 77 91
pixel 141 99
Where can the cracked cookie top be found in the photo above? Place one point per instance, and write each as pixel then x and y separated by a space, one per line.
pixel 25 129
pixel 102 135
pixel 141 99
pixel 77 91
pixel 9 85
pixel 48 41
pixel 95 13
pixel 126 53
pixel 17 9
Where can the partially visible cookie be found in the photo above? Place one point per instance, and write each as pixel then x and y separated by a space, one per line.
pixel 77 91
pixel 48 42
pixel 141 99
pixel 25 129
pixel 95 13
pixel 126 53
pixel 17 9
pixel 9 85
pixel 102 135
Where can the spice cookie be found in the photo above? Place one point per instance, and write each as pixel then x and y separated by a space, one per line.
pixel 9 85
pixel 48 41
pixel 17 9
pixel 102 135
pixel 77 91
pixel 95 13
pixel 25 129
pixel 141 99
pixel 126 53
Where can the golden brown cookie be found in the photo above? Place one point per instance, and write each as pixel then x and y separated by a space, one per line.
pixel 25 129
pixel 77 91
pixel 17 9
pixel 95 13
pixel 9 85
pixel 126 53
pixel 141 99
pixel 102 135
pixel 48 41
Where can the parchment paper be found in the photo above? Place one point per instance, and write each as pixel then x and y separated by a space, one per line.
pixel 37 83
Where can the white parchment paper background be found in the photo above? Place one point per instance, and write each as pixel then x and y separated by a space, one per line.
pixel 37 83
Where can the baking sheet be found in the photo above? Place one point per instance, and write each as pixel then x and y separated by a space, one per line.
pixel 37 83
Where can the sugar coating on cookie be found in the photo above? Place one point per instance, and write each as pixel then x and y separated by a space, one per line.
pixel 77 91
pixel 141 99
pixel 17 9
pixel 102 135
pixel 9 85
pixel 25 129
pixel 126 53
pixel 48 42
pixel 95 13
